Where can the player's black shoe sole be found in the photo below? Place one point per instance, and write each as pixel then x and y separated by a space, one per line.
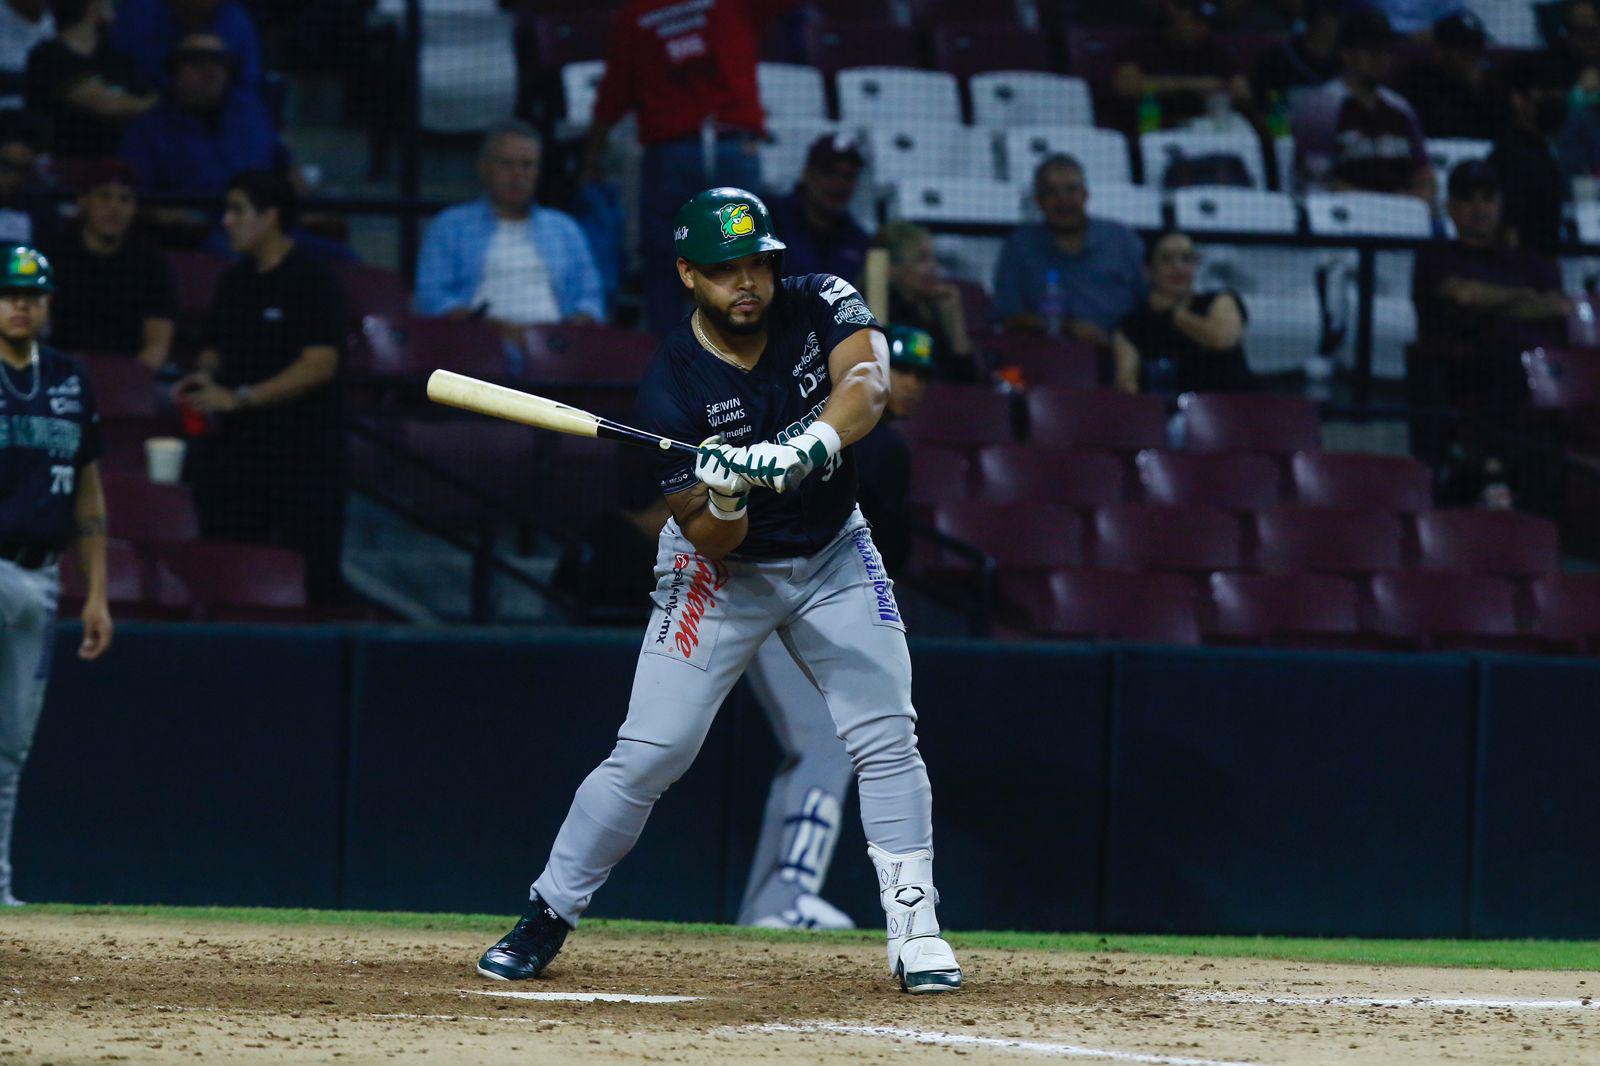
pixel 528 948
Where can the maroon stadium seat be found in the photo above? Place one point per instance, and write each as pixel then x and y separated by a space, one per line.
pixel 939 476
pixel 976 305
pixel 413 346
pixel 1020 536
pixel 122 387
pixel 1239 481
pixel 1153 536
pixel 1100 605
pixel 1445 610
pixel 571 37
pixel 1046 361
pixel 1500 543
pixel 1250 422
pixel 492 456
pixel 967 415
pixel 1286 609
pixel 936 14
pixel 972 48
pixel 1563 379
pixel 574 352
pixel 144 512
pixel 1567 609
pixel 833 43
pixel 122 444
pixel 1327 540
pixel 371 290
pixel 195 275
pixel 1095 418
pixel 233 581
pixel 1020 472
pixel 1358 480
pixel 126 577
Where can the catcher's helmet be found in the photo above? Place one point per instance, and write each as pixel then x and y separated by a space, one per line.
pixel 722 224
pixel 25 268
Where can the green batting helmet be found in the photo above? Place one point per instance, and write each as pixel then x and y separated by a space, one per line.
pixel 25 268
pixel 722 224
pixel 910 349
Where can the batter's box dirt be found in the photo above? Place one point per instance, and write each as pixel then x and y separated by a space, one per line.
pixel 108 987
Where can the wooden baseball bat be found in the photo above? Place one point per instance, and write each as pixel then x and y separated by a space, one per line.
pixel 487 398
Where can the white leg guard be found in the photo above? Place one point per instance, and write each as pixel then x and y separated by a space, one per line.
pixel 918 955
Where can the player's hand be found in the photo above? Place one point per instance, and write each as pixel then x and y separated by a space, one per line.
pixel 96 630
pixel 729 491
pixel 781 467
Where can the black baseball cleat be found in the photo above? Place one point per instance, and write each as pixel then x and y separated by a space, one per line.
pixel 528 948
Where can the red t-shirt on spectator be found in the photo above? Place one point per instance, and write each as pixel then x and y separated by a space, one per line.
pixel 679 62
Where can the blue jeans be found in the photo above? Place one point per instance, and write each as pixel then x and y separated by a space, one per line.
pixel 670 174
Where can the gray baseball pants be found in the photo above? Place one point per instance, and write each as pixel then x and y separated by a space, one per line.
pixel 835 613
pixel 27 635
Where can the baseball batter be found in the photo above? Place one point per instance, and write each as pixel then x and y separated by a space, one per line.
pixel 776 377
pixel 49 497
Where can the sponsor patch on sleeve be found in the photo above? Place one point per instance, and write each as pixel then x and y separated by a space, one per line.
pixel 853 311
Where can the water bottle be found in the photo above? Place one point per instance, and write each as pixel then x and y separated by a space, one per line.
pixel 1582 329
pixel 1051 303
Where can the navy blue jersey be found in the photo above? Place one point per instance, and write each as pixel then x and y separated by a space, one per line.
pixel 49 429
pixel 689 394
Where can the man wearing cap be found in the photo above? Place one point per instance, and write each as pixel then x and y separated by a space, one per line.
pixel 1451 93
pixel 815 219
pixel 26 215
pixel 1181 65
pixel 114 294
pixel 776 377
pixel 50 499
pixel 1355 134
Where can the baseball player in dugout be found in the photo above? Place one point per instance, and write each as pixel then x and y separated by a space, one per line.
pixel 776 377
pixel 50 499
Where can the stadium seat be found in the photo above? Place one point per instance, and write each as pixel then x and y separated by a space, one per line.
pixel 371 290
pixel 127 576
pixel 580 84
pixel 1285 328
pixel 1285 609
pixel 122 387
pixel 1368 214
pixel 1028 98
pixel 1445 610
pixel 1511 23
pixel 1209 207
pixel 975 303
pixel 1103 153
pixel 961 415
pixel 232 582
pixel 887 94
pixel 1362 481
pixel 1095 418
pixel 1158 151
pixel 1445 152
pixel 783 153
pixel 122 442
pixel 468 67
pixel 1153 536
pixel 1021 535
pixel 1567 609
pixel 931 151
pixel 1563 379
pixel 1144 608
pixel 1250 422
pixel 970 48
pixel 1497 543
pixel 195 274
pixel 1237 481
pixel 792 91
pixel 1327 540
pixel 586 352
pixel 1021 472
pixel 1045 360
pixel 1588 219
pixel 935 13
pixel 413 346
pixel 1135 206
pixel 834 42
pixel 938 476
pixel 144 512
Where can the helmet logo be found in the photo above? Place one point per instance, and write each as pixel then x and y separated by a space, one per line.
pixel 737 221
pixel 27 263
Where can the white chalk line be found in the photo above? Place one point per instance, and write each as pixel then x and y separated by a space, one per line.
pixel 1038 1047
pixel 584 997
pixel 1414 1001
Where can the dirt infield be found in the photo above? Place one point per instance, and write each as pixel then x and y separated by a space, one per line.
pixel 98 988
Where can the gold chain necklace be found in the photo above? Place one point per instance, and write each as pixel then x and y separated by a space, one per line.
pixel 700 334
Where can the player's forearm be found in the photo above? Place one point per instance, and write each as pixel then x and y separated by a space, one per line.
pixel 314 368
pixel 857 402
pixel 90 516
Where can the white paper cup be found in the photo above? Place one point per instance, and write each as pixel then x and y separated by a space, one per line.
pixel 163 459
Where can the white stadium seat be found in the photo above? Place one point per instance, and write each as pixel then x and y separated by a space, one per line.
pixel 467 64
pixel 1283 154
pixel 789 90
pixel 914 150
pixel 1215 208
pixel 1511 23
pixel 898 94
pixel 1160 150
pixel 1284 330
pixel 982 200
pixel 1103 153
pixel 1445 152
pixel 1131 205
pixel 783 154
pixel 1588 216
pixel 1028 98
pixel 580 83
pixel 1368 214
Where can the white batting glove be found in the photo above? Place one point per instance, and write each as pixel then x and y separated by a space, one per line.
pixel 728 490
pixel 781 467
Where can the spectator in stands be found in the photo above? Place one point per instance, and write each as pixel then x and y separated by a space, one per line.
pixel 26 216
pixel 683 68
pixel 1182 67
pixel 815 219
pixel 274 470
pixel 86 88
pixel 1304 61
pixel 23 24
pixel 921 297
pixel 1480 304
pixel 503 256
pixel 1073 275
pixel 1533 187
pixel 1178 340
pixel 114 294
pixel 1451 93
pixel 150 30
pixel 1417 18
pixel 883 458
pixel 1355 134
pixel 206 128
pixel 1574 61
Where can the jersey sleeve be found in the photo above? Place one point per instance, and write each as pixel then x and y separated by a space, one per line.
pixel 661 408
pixel 89 442
pixel 833 308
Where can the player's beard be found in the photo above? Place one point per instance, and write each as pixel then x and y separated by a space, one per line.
pixel 728 326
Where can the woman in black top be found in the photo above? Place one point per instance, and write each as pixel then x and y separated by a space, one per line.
pixel 1179 340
